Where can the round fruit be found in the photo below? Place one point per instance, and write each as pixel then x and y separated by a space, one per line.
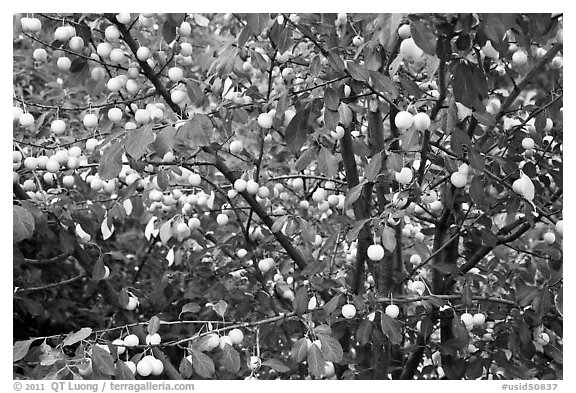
pixel 404 120
pixel 76 43
pixel 40 54
pixel 142 116
pixel 117 55
pixel 96 184
pixel 131 340
pixel 90 120
pixel 119 344
pixel 263 192
pixel 265 120
pixel 26 119
pixel 52 165
pixel 338 133
pixel 223 341
pixel 176 74
pixel 375 252
pixel 64 63
pixel 409 50
pixel 30 163
pixel 418 286
pixel 404 176
pixel 479 319
pixel 112 33
pixel 404 31
pixel 236 147
pixel 467 319
pixel 222 219
pixel 550 238
pixel 185 49
pixel 254 362
pixel 240 185
pixel 132 303
pixel 85 368
pixel 115 115
pixel 528 143
pixel 144 367
pixel 185 29
pixel 265 265
pixel 236 336
pixel 543 339
pixel 143 53
pixel 392 311
pixel 559 223
pixel 252 187
pixel 182 229
pixel 123 18
pixel 157 366
pixel 348 311
pixel 178 96
pixel 357 40
pixel 458 179
pixel 58 127
pixel 489 51
pixel 520 58
pixel 153 339
pixel 421 121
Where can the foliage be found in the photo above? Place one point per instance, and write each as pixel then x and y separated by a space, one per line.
pixel 252 161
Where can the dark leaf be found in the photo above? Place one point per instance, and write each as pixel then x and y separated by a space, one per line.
pixel 331 119
pixel 384 84
pixel 391 328
pixel 164 140
pixel 196 132
pixel 327 163
pixel 300 302
pixel 306 158
pixel 358 72
pixel 297 130
pixel 496 25
pixel 336 61
pixel 353 195
pixel 331 349
pixel 332 305
pixel 331 99
pixel 395 162
pixel 175 19
pixel 388 238
pixel 123 372
pixel 102 361
pixel 153 325
pixel 353 233
pixel 276 365
pixel 469 83
pixel 22 224
pixel 364 331
pixel 84 32
pixel 316 362
pixel 195 92
pixel 374 167
pixel 202 363
pixel 230 359
pixel 193 308
pixel 299 350
pixel 20 349
pixel 423 36
pixel 111 161
pixel 476 159
pixel 185 368
pixel 168 32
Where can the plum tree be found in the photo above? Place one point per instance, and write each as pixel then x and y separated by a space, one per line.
pixel 288 196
